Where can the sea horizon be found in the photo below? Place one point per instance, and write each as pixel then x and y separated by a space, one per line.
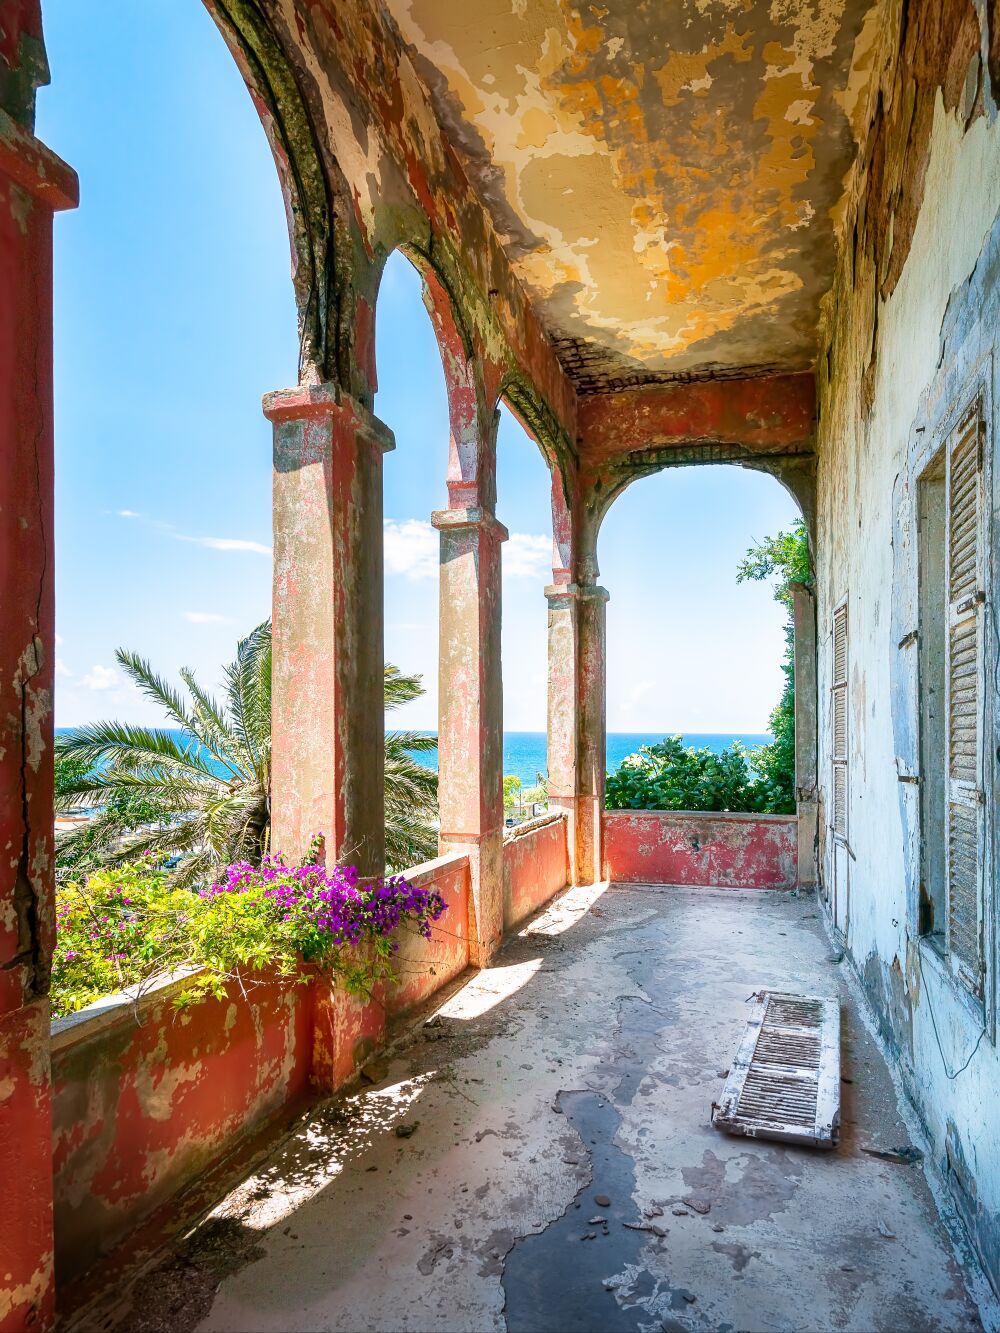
pixel 524 752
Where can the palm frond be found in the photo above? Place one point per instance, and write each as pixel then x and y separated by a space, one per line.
pixel 401 741
pixel 121 746
pixel 248 689
pixel 399 689
pixel 155 687
pixel 214 731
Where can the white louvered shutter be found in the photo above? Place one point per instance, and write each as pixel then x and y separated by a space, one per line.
pixel 966 602
pixel 839 721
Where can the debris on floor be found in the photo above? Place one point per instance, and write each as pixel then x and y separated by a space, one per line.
pixel 784 1083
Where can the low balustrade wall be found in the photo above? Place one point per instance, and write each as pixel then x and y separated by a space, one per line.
pixel 535 866
pixel 147 1097
pixel 710 850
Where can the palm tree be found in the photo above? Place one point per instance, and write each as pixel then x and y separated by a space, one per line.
pixel 206 794
pixel 410 787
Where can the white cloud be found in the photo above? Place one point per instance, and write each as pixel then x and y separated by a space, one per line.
pixel 205 618
pixel 225 543
pixel 412 548
pixel 212 543
pixel 100 678
pixel 61 668
pixel 527 556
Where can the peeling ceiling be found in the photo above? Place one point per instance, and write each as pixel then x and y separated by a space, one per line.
pixel 664 174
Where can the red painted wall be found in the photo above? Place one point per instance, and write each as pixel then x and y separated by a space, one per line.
pixel 347 1030
pixel 140 1109
pixel 424 966
pixel 535 866
pixel 33 183
pixel 707 850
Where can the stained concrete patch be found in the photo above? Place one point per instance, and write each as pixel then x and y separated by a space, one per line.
pixel 748 1188
pixel 581 1071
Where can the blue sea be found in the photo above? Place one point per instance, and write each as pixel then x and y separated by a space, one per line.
pixel 524 751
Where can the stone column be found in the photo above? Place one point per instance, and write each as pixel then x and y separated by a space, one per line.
pixel 592 740
pixel 328 755
pixel 577 739
pixel 470 727
pixel 804 607
pixel 34 184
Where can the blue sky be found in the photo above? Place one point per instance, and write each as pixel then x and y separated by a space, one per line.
pixel 174 313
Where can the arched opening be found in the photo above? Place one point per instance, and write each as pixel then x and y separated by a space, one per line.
pixel 524 487
pixel 692 651
pixel 173 313
pixel 412 400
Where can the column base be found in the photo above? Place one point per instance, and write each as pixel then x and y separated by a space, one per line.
pixel 808 817
pixel 485 853
pixel 584 836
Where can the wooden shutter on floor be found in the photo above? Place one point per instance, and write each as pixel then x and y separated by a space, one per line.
pixel 839 721
pixel 966 605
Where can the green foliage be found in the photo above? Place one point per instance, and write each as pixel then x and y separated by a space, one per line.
pixel 511 791
pixel 208 799
pixel 787 556
pixel 209 796
pixel 88 847
pixel 114 931
pixel 410 787
pixel 673 776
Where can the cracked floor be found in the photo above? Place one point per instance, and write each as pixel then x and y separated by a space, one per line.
pixel 540 1157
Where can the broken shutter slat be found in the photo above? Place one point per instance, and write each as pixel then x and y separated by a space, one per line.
pixel 785 1080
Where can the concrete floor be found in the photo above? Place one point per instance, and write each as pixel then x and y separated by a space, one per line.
pixel 495 1177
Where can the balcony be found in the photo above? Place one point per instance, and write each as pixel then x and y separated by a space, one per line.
pixel 535 1153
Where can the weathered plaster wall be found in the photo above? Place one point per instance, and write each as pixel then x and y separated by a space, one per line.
pixel 535 866
pixel 140 1108
pixel 424 966
pixel 910 330
pixel 727 851
pixel 765 422
pixel 33 184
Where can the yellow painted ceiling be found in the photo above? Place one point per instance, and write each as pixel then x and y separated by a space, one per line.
pixel 663 173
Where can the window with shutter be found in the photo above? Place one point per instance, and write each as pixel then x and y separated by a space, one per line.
pixel 965 697
pixel 838 709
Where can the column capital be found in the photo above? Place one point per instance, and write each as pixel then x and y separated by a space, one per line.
pixel 452 520
pixel 32 164
pixel 312 402
pixel 559 594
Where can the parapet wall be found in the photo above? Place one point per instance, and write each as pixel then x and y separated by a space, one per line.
pixel 713 850
pixel 535 866
pixel 148 1097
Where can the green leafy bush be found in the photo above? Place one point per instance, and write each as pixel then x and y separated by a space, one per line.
pixel 673 776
